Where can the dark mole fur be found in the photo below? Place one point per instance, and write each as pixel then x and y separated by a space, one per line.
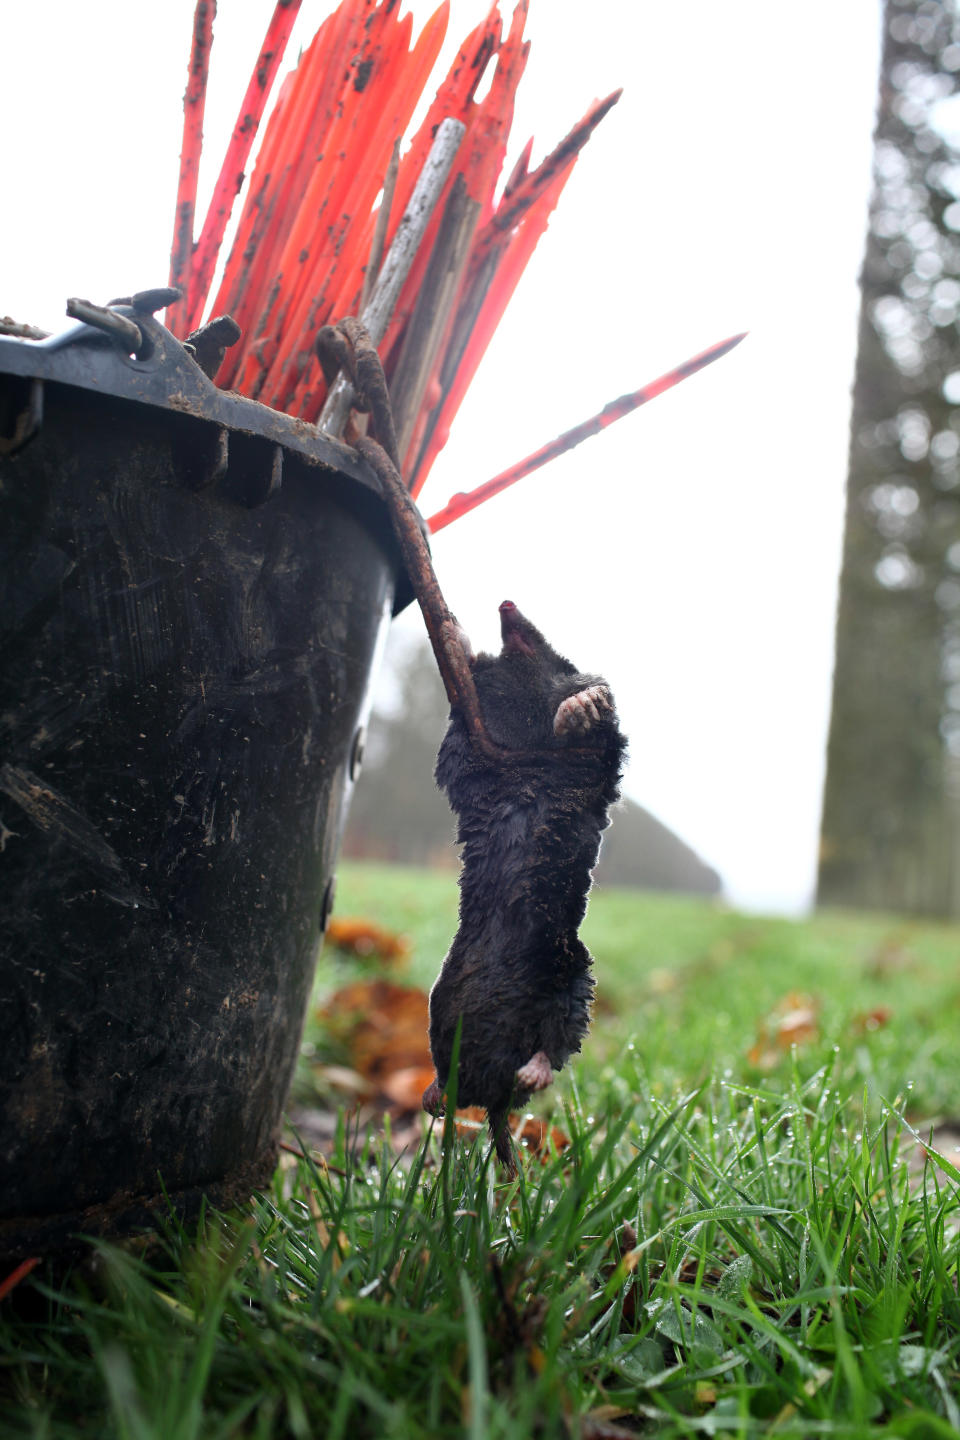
pixel 517 974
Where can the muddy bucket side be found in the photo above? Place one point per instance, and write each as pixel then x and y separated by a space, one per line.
pixel 194 591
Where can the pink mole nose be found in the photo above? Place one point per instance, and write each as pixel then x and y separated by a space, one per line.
pixel 507 605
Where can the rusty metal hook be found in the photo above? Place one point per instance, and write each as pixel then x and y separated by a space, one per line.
pixel 347 345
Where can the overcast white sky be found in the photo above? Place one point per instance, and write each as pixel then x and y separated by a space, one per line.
pixel 691 552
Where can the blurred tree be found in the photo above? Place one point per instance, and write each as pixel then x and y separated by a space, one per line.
pixel 891 820
pixel 398 814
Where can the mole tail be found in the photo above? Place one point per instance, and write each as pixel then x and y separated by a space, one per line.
pixel 503 1143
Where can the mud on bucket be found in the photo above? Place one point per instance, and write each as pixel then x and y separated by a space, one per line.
pixel 194 591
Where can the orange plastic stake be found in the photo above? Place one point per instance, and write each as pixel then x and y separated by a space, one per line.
pixel 334 275
pixel 255 218
pixel 404 80
pixel 18 1273
pixel 271 203
pixel 312 251
pixel 462 503
pixel 193 102
pixel 231 175
pixel 309 187
pixel 526 191
pixel 303 238
pixel 496 113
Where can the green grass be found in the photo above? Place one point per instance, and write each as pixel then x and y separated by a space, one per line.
pixel 690 982
pixel 729 1245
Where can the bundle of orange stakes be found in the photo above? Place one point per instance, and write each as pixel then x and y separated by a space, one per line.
pixel 326 196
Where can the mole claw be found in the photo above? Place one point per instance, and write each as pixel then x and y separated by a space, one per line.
pixel 433 1099
pixel 537 1074
pixel 581 711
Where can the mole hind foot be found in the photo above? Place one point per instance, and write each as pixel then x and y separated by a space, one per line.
pixel 502 1141
pixel 537 1074
pixel 580 712
pixel 432 1100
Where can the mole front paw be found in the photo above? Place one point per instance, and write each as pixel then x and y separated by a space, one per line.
pixel 432 1100
pixel 537 1074
pixel 578 713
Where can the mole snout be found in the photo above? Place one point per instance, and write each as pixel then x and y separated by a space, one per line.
pixel 518 635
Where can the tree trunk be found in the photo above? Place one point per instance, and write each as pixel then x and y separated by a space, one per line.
pixel 891 816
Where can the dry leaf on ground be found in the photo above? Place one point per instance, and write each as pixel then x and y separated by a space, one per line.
pixel 382 1025
pixel 360 937
pixel 792 1022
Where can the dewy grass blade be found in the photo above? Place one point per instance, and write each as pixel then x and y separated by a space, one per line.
pixel 945 1165
pixel 477 1353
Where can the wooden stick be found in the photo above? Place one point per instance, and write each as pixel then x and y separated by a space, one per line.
pixel 454 99
pixel 396 267
pixel 380 232
pixel 430 320
pixel 467 350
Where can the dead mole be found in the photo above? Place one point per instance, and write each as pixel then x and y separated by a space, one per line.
pixel 531 765
pixel 517 976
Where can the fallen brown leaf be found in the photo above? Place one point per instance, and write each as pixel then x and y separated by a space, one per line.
pixel 537 1135
pixel 797 1022
pixel 382 1025
pixel 405 1088
pixel 792 1022
pixel 533 1134
pixel 869 1020
pixel 355 936
pixel 891 957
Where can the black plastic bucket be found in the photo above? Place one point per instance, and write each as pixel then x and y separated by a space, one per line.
pixel 194 588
